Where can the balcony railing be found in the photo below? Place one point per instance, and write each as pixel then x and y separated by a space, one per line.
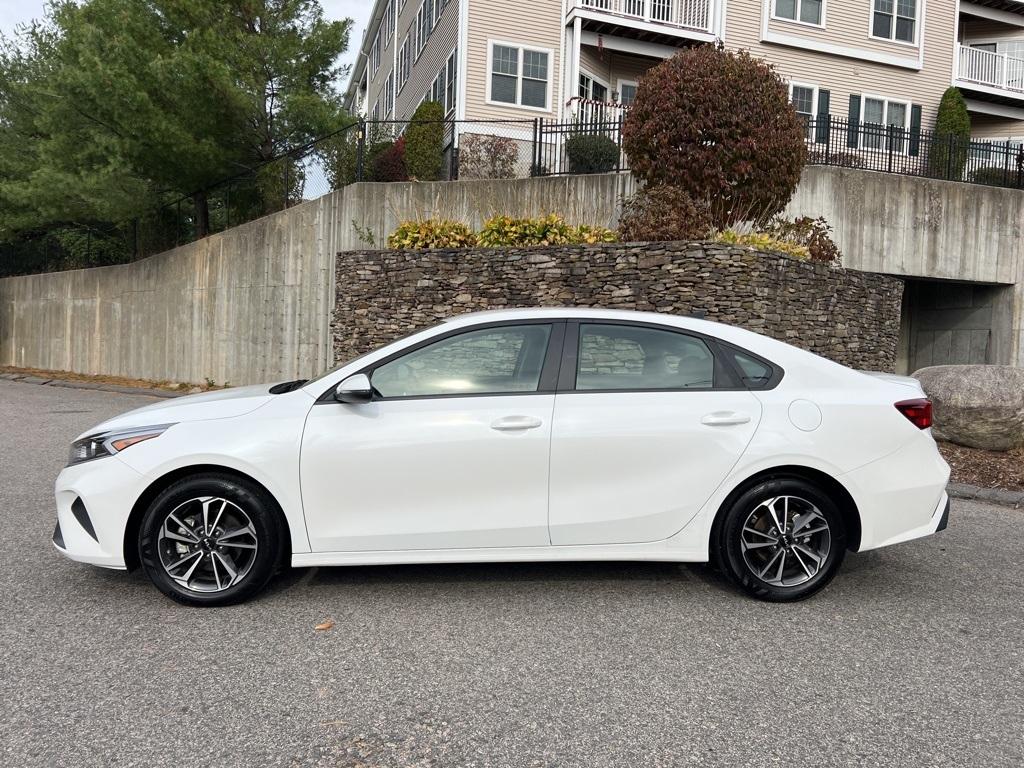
pixel 997 70
pixel 685 14
pixel 589 112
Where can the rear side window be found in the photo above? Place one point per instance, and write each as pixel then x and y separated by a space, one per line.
pixel 625 357
pixel 753 372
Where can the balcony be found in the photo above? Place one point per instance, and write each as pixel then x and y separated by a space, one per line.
pixel 995 74
pixel 673 18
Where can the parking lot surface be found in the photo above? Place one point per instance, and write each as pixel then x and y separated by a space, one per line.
pixel 913 657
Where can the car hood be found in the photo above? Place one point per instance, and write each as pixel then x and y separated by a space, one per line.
pixel 220 404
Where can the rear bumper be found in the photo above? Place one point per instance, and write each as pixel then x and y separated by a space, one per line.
pixel 901 497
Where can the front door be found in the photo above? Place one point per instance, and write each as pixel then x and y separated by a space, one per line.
pixel 648 423
pixel 452 453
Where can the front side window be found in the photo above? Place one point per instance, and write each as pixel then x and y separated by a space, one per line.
pixel 519 76
pixel 488 361
pixel 627 94
pixel 807 11
pixel 895 20
pixel 624 357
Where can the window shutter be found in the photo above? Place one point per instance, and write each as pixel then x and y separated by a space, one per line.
pixel 915 130
pixel 823 127
pixel 853 129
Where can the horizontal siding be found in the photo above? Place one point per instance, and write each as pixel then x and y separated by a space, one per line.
pixel 537 23
pixel 846 23
pixel 612 66
pixel 432 61
pixel 972 28
pixel 990 126
pixel 844 76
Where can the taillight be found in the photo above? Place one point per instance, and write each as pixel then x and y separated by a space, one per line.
pixel 918 411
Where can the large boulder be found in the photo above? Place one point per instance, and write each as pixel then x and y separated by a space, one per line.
pixel 980 406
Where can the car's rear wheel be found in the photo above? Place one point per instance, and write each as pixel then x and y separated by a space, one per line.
pixel 782 540
pixel 211 540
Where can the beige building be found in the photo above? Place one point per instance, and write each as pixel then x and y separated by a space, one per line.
pixel 876 62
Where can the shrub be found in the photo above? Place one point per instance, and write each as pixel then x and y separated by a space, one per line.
pixel 505 231
pixel 763 241
pixel 802 238
pixel 591 153
pixel 997 176
pixel 389 165
pixel 424 142
pixel 948 154
pixel 487 157
pixel 431 233
pixel 720 126
pixel 341 154
pixel 664 213
pixel 813 234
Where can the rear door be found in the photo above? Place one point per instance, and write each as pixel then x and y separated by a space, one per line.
pixel 648 422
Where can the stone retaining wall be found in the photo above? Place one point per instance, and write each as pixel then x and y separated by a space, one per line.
pixel 847 316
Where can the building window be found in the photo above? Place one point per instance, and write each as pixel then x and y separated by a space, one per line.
pixel 627 93
pixel 519 76
pixel 389 21
pixel 806 11
pixel 895 20
pixel 389 95
pixel 803 98
pixel 375 55
pixel 451 82
pixel 884 124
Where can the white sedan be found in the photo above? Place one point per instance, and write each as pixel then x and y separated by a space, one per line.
pixel 521 435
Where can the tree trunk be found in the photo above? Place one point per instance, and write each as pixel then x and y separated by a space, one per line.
pixel 202 214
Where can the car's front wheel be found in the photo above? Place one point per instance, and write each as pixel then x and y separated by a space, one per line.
pixel 782 540
pixel 211 540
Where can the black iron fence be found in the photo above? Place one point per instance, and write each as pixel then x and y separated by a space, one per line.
pixel 373 151
pixel 913 152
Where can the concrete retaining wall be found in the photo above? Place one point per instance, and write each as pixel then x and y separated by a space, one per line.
pixel 253 303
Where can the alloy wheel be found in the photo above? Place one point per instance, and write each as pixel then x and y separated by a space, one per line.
pixel 785 541
pixel 207 544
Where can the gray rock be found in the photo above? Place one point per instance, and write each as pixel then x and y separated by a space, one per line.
pixel 979 406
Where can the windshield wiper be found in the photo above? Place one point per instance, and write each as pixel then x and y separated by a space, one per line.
pixel 288 386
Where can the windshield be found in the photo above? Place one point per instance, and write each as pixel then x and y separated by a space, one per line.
pixel 339 366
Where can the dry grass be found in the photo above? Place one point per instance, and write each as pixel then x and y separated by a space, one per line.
pixel 120 381
pixel 986 469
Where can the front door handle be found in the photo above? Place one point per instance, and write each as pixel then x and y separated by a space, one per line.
pixel 516 423
pixel 725 419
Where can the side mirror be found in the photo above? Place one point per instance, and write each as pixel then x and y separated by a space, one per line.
pixel 355 389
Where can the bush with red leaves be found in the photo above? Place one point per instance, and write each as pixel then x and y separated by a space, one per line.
pixel 718 125
pixel 389 165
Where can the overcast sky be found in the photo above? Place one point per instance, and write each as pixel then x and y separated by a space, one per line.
pixel 14 12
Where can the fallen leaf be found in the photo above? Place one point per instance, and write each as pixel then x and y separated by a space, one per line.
pixel 324 625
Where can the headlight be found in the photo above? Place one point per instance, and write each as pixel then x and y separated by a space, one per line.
pixel 108 443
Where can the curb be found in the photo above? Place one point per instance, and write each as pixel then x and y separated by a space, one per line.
pixel 149 392
pixel 1013 499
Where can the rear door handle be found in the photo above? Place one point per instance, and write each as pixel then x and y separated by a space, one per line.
pixel 516 423
pixel 725 419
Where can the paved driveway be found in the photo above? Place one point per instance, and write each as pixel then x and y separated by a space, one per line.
pixel 914 657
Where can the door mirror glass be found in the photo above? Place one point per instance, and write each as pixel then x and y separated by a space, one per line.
pixel 354 389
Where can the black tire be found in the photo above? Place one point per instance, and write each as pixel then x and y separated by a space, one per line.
pixel 740 551
pixel 257 546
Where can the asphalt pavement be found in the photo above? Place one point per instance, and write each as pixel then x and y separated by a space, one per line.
pixel 913 657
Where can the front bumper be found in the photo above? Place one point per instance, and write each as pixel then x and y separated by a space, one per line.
pixel 94 501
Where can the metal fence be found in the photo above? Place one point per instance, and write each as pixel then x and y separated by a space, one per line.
pixel 913 152
pixel 484 149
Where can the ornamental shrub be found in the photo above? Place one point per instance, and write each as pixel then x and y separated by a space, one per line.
pixel 487 157
pixel 718 125
pixel 424 142
pixel 801 238
pixel 591 153
pixel 664 213
pixel 431 233
pixel 948 154
pixel 507 232
pixel 389 165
